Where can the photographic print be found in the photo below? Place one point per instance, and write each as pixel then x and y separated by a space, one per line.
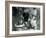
pixel 25 19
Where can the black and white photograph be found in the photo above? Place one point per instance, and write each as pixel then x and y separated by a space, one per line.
pixel 25 18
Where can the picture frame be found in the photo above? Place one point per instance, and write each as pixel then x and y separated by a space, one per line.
pixel 10 6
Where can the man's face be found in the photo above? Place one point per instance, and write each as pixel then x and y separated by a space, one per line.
pixel 21 21
pixel 33 17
